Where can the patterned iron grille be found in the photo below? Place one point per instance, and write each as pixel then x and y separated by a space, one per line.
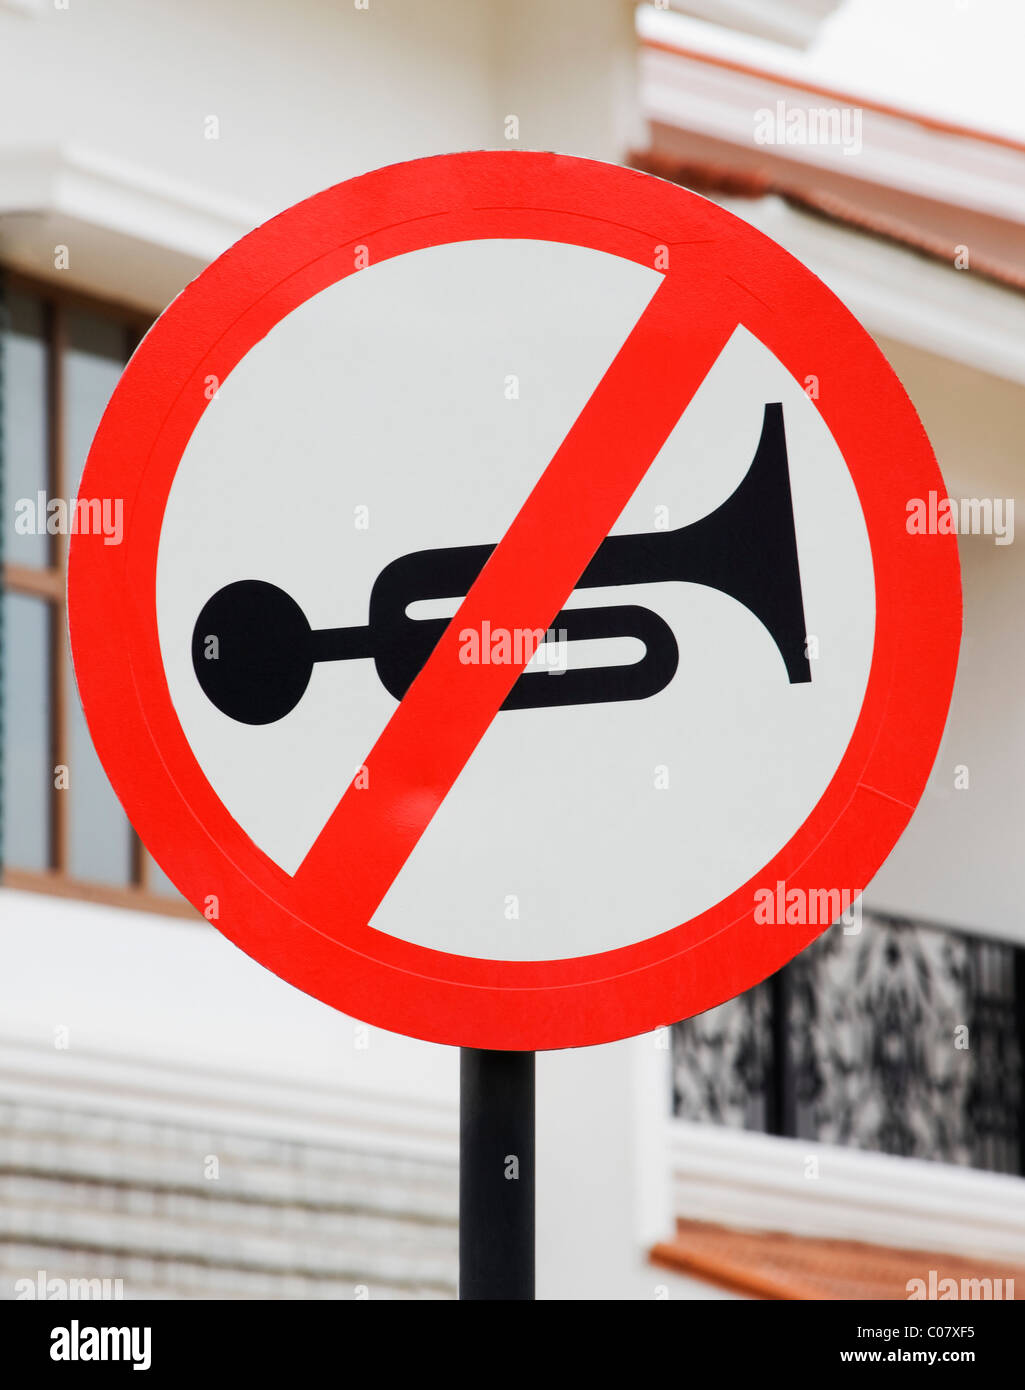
pixel 902 1038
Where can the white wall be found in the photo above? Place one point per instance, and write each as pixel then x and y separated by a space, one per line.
pixel 568 70
pixel 960 861
pixel 307 93
pixel 105 114
pixel 164 990
pixel 604 1180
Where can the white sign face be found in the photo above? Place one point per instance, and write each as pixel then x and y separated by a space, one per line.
pixel 413 406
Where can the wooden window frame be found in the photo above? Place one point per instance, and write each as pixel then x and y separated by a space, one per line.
pixel 48 583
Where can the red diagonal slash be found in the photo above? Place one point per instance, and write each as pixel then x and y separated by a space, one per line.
pixel 530 575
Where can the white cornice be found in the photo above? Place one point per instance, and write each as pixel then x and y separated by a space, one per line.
pixel 758 1182
pixel 895 291
pixel 785 21
pixel 698 94
pixel 245 1102
pixel 125 198
pixel 131 234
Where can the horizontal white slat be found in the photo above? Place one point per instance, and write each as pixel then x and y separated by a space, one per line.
pixel 759 1182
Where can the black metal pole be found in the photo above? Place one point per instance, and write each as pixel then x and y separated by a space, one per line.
pixel 496 1174
pixel 782 1098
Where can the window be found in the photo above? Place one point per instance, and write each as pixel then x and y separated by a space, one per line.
pixel 62 829
pixel 903 1037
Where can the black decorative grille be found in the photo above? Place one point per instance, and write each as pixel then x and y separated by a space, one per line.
pixel 899 1037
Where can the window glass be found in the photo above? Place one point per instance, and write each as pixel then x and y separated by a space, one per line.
pixel 100 839
pixel 159 883
pixel 26 775
pixel 25 465
pixel 100 842
pixel 92 365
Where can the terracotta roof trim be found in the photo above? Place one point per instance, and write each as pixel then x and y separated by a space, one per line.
pixel 748 183
pixel 778 1265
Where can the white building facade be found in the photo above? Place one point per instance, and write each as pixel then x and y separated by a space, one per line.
pixel 173 1116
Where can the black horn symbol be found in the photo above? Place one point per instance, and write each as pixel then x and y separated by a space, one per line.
pixel 253 650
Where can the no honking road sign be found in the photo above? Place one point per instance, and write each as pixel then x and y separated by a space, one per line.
pixel 515 595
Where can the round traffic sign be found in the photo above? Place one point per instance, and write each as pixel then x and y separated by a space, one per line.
pixel 516 639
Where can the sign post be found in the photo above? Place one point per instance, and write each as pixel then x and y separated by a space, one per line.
pixel 496 1174
pixel 517 640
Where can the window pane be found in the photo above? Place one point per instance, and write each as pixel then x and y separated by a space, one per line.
pixel 23 411
pixel 27 776
pixel 159 883
pixel 92 365
pixel 100 841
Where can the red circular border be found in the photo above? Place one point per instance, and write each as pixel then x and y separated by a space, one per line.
pixel 112 599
